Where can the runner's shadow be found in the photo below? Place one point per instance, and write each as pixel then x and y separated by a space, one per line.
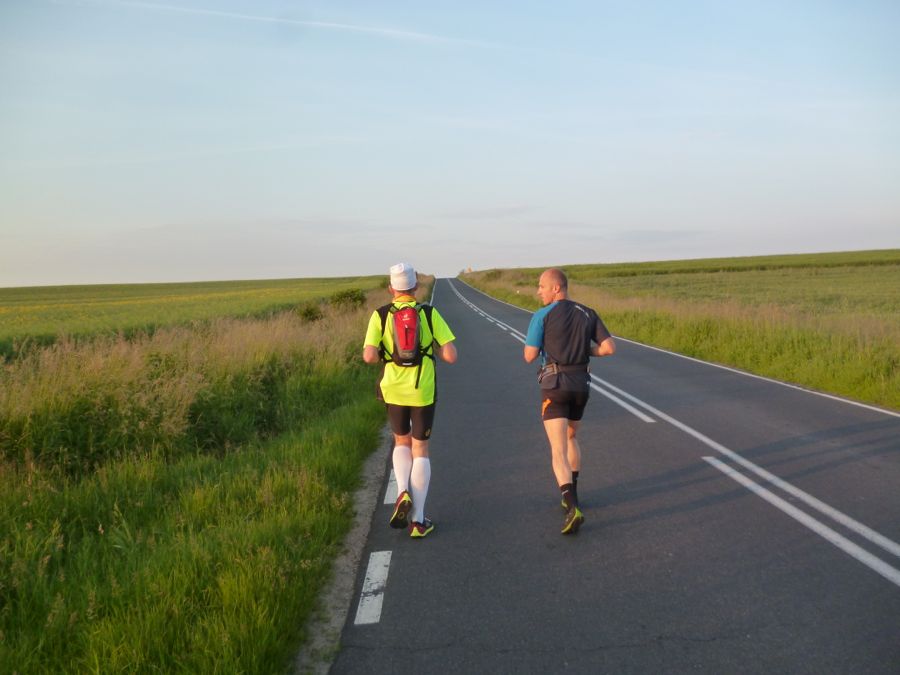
pixel 704 502
pixel 610 499
pixel 672 482
pixel 884 444
pixel 642 488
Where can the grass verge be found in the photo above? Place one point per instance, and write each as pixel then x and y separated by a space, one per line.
pixel 203 546
pixel 203 564
pixel 830 322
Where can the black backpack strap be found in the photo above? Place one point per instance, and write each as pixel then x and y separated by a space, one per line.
pixel 427 310
pixel 383 312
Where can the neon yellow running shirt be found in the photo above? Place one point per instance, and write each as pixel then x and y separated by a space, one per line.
pixel 398 385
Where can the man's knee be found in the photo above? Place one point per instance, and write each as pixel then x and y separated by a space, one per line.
pixel 419 448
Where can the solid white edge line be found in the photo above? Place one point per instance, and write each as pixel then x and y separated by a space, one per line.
pixel 372 594
pixel 877 564
pixel 491 297
pixel 764 378
pixel 842 518
pixel 718 365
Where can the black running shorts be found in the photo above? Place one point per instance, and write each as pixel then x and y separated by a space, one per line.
pixel 563 403
pixel 405 419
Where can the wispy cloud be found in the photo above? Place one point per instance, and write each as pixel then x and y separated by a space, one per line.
pixel 379 31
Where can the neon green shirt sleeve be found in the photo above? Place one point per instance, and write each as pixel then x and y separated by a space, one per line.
pixel 442 332
pixel 373 332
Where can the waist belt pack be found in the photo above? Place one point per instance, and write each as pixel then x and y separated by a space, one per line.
pixel 548 375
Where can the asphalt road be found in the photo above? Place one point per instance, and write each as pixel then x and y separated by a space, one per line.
pixel 733 525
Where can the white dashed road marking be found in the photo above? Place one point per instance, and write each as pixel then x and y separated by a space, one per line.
pixel 369 610
pixel 390 493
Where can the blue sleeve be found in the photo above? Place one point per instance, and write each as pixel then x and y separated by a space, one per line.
pixel 535 337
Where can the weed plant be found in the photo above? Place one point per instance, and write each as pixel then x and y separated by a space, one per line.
pixel 174 501
pixel 830 322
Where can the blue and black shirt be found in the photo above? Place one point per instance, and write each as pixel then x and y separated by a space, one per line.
pixel 564 331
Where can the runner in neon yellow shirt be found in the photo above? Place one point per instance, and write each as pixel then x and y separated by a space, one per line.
pixel 409 396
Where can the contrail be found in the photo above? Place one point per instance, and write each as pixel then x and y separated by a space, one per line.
pixel 326 25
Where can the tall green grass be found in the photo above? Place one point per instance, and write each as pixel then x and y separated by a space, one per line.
pixel 830 322
pixel 74 406
pixel 173 501
pixel 204 564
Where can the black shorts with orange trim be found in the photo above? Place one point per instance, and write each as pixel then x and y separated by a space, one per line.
pixel 558 403
pixel 406 419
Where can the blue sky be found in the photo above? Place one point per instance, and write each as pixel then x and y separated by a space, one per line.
pixel 228 139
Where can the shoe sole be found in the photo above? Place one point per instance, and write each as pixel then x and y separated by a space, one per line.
pixel 572 528
pixel 399 517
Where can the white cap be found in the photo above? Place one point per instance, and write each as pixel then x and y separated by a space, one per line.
pixel 403 277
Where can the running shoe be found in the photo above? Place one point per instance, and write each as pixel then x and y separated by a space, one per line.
pixel 401 509
pixel 419 530
pixel 574 519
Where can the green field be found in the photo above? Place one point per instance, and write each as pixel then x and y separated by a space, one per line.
pixel 172 500
pixel 43 314
pixel 827 321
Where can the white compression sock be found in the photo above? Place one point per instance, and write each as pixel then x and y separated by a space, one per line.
pixel 419 479
pixel 402 466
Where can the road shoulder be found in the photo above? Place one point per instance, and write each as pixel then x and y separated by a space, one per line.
pixel 325 626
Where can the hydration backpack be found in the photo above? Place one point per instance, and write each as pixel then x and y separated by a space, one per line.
pixel 406 327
